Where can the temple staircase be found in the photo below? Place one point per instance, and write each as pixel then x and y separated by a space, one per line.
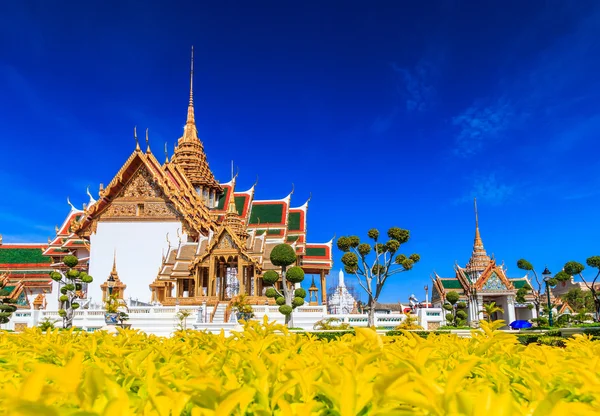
pixel 219 313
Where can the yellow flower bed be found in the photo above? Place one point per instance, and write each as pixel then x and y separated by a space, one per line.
pixel 262 372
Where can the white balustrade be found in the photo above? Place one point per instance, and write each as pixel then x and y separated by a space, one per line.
pixel 163 321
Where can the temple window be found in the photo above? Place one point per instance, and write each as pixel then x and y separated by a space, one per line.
pixel 140 210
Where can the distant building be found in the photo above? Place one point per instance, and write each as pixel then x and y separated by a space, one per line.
pixel 341 301
pixel 482 281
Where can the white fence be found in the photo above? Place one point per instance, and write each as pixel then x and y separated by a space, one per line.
pixel 163 321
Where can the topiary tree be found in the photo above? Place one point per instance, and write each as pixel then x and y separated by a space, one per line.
pixel 283 255
pixel 457 315
pixel 386 262
pixel 71 284
pixel 7 308
pixel 535 293
pixel 573 268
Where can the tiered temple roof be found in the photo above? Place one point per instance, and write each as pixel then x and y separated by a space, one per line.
pixel 480 275
pixel 26 264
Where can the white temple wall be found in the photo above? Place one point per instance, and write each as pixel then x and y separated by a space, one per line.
pixel 139 246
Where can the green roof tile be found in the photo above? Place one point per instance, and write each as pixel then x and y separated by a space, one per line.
pixel 6 290
pixel 316 252
pixel 518 284
pixel 223 198
pixel 294 221
pixel 240 201
pixel 451 284
pixel 22 256
pixel 266 213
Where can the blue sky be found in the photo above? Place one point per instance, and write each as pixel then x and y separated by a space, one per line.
pixel 389 113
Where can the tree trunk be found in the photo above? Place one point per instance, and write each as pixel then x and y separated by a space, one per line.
pixel 289 297
pixel 68 322
pixel 371 320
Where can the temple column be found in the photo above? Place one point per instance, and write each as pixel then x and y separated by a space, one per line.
pixel 241 275
pixel 480 308
pixel 323 294
pixel 211 277
pixel 510 309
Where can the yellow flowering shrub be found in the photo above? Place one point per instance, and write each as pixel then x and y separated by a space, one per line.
pixel 264 370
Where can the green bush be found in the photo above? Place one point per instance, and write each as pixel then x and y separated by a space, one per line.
pixel 552 341
pixel 271 292
pixel 70 261
pixel 300 293
pixel 297 302
pixel 63 298
pixel 270 277
pixel 280 300
pixel 295 274
pixel 285 309
pixel 73 274
pixel 282 255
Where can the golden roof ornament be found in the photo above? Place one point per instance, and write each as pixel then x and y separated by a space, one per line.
pixel 479 259
pixel 147 143
pixel 189 153
pixel 137 143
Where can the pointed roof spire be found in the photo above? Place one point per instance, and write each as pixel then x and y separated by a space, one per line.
pixel 189 153
pixel 477 235
pixel 190 114
pixel 114 269
pixel 137 143
pixel 147 143
pixel 479 258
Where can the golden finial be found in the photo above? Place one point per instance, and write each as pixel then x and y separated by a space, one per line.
pixel 166 153
pixel 293 187
pixel 49 240
pixel 56 229
pixel 114 269
pixel 255 182
pixel 192 78
pixel 1 239
pixel 190 115
pixel 147 143
pixel 309 197
pixel 137 143
pixel 476 216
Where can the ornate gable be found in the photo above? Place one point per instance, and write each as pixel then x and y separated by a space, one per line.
pixel 144 189
pixel 225 240
pixel 141 199
pixel 493 279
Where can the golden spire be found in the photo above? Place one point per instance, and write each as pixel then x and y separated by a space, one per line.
pixel 190 114
pixel 147 143
pixel 478 241
pixel 114 269
pixel 166 153
pixel 137 143
pixel 189 153
pixel 479 259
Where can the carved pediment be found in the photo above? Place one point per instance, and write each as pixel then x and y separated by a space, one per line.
pixel 141 199
pixel 226 242
pixel 141 186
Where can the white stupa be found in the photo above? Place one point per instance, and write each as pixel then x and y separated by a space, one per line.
pixel 341 301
